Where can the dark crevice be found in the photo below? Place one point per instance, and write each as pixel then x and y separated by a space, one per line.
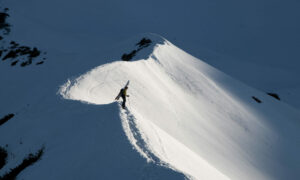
pixel 274 95
pixel 14 63
pixel 3 156
pixel 4 26
pixel 6 118
pixel 144 42
pixel 28 161
pixel 14 51
pixel 141 45
pixel 39 63
pixel 128 57
pixel 256 99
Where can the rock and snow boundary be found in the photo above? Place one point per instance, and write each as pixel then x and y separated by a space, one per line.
pixel 184 114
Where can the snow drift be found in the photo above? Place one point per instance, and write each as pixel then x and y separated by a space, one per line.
pixel 195 119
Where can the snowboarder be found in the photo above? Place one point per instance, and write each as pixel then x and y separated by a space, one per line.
pixel 123 95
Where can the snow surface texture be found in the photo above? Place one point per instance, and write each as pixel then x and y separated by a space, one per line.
pixel 195 118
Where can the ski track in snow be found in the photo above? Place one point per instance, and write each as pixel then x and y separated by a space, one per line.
pixel 134 135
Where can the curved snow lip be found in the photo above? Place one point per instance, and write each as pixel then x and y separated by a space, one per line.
pixel 188 116
pixel 91 88
pixel 85 88
pixel 101 85
pixel 98 85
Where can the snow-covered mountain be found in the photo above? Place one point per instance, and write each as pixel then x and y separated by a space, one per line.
pixel 195 118
pixel 185 119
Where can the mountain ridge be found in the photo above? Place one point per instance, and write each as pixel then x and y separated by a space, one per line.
pixel 169 70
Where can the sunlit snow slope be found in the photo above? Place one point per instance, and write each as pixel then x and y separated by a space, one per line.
pixel 195 118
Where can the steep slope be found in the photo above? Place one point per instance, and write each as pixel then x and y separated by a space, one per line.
pixel 197 119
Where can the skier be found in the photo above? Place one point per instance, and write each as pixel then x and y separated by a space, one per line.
pixel 123 95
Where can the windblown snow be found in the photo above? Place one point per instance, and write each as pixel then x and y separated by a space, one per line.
pixel 190 117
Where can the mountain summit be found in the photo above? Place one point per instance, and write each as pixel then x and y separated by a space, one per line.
pixel 195 119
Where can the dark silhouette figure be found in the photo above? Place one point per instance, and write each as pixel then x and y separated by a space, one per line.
pixel 123 95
